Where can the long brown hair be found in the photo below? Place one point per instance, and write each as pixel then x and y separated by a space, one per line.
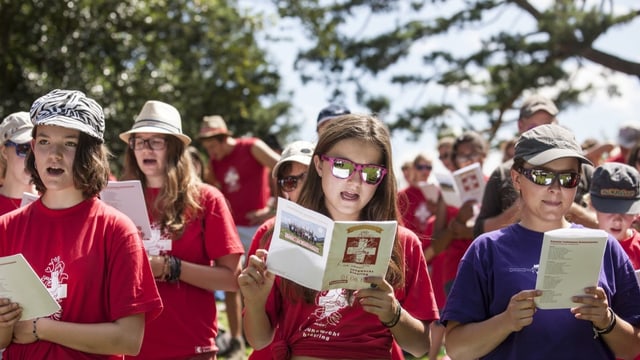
pixel 382 205
pixel 178 200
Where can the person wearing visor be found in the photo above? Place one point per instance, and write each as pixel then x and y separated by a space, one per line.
pixel 15 134
pixel 351 178
pixel 491 310
pixel 290 172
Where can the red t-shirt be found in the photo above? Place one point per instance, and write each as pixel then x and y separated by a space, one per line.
pixel 413 209
pixel 243 180
pixel 332 328
pixel 188 325
pixel 92 260
pixel 8 204
pixel 439 265
pixel 631 246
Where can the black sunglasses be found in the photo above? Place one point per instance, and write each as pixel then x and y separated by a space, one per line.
pixel 423 167
pixel 290 183
pixel 543 177
pixel 21 149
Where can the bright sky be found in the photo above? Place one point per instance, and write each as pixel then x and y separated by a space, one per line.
pixel 599 117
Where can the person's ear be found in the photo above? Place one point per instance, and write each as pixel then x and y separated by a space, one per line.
pixel 317 162
pixel 516 177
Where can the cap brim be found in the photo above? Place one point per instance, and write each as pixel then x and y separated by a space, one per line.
pixel 69 123
pixel 155 130
pixel 22 136
pixel 304 160
pixel 211 133
pixel 554 154
pixel 616 206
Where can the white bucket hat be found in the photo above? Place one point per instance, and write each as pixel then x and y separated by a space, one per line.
pixel 160 118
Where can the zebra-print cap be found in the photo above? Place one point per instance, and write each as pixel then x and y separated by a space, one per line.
pixel 70 109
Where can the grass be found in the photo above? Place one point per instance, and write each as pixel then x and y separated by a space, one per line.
pixel 222 322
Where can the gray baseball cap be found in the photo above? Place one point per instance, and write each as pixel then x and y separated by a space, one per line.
pixel 546 143
pixel 535 103
pixel 615 188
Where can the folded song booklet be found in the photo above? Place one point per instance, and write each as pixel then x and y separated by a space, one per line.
pixel 570 261
pixel 127 196
pixel 462 185
pixel 21 284
pixel 319 253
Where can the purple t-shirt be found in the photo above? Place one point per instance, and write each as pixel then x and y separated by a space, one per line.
pixel 504 262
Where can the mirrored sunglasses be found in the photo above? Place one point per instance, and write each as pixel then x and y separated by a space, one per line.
pixel 290 183
pixel 543 177
pixel 343 169
pixel 21 149
pixel 154 143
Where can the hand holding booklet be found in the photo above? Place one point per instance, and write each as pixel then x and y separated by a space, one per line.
pixel 462 185
pixel 20 283
pixel 570 261
pixel 319 253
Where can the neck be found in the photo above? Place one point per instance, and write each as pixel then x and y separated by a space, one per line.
pixel 62 199
pixel 155 182
pixel 545 226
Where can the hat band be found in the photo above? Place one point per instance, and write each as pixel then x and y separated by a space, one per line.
pixel 158 124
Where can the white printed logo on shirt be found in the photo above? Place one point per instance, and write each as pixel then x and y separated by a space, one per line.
pixel 329 303
pixel 55 282
pixel 231 180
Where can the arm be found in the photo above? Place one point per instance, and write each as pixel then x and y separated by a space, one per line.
pixel 474 340
pixel 222 276
pixel 623 339
pixel 256 283
pixel 264 154
pixel 410 333
pixel 583 216
pixel 494 214
pixel 123 336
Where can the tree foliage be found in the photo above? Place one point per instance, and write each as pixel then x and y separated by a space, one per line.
pixel 510 63
pixel 199 55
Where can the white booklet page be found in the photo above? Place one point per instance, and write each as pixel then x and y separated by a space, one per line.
pixel 570 261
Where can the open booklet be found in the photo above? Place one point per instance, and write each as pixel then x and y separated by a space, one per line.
pixel 21 284
pixel 319 253
pixel 570 261
pixel 462 185
pixel 127 196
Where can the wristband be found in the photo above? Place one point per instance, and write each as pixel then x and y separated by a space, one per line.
pixel 597 332
pixel 35 330
pixel 396 316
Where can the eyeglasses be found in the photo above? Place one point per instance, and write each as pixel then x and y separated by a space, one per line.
pixel 290 183
pixel 344 169
pixel 467 158
pixel 423 167
pixel 21 149
pixel 154 143
pixel 542 177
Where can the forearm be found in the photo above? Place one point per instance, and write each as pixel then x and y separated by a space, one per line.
pixel 623 340
pixel 208 277
pixel 257 327
pixel 474 340
pixel 506 218
pixel 124 336
pixel 412 334
pixel 583 216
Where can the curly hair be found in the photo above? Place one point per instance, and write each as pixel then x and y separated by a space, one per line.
pixel 90 166
pixel 178 200
pixel 383 204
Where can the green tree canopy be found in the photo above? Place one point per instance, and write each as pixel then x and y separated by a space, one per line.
pixel 512 61
pixel 199 55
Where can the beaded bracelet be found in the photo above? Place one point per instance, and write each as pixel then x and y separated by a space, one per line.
pixel 597 332
pixel 396 316
pixel 35 330
pixel 175 266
